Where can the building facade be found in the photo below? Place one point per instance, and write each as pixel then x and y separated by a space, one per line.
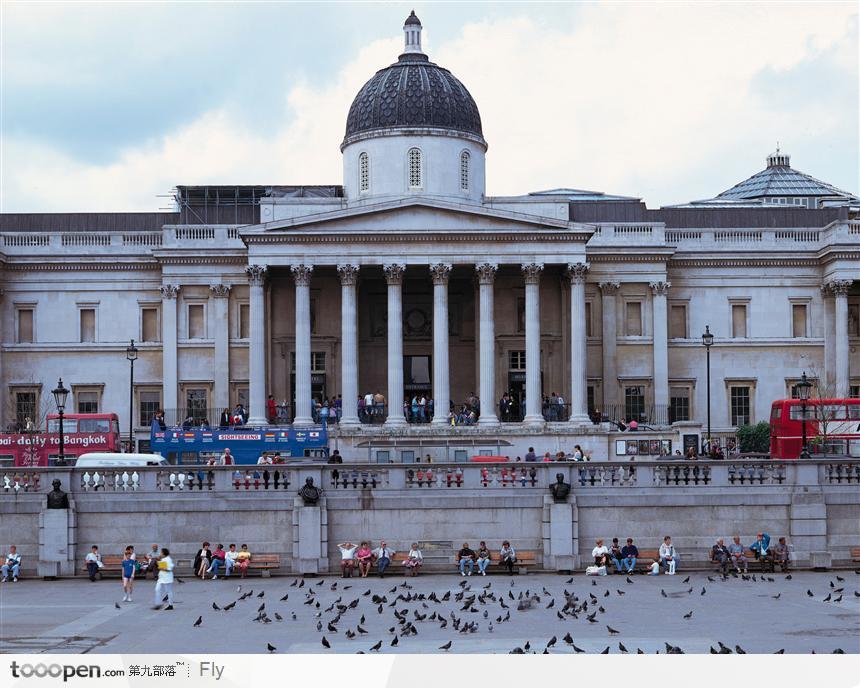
pixel 408 280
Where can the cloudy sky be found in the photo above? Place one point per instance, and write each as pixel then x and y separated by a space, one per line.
pixel 107 105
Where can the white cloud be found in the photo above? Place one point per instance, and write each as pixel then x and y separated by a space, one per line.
pixel 633 99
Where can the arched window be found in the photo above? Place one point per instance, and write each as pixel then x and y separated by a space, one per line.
pixel 414 158
pixel 465 161
pixel 364 172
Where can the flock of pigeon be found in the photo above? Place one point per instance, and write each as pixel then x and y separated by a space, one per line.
pixel 470 611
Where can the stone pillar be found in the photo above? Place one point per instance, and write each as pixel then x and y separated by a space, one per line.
pixel 610 335
pixel 487 390
pixel 661 350
pixel 221 394
pixel 394 278
pixel 349 343
pixel 302 278
pixel 257 348
pixel 840 292
pixel 169 365
pixel 310 526
pixel 441 383
pixel 57 536
pixel 531 274
pixel 828 318
pixel 578 351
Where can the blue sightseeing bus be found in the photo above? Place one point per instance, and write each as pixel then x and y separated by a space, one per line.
pixel 198 445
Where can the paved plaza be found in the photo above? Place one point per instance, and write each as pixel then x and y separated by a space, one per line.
pixel 76 616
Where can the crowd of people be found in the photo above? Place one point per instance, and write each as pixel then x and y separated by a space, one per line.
pixel 734 555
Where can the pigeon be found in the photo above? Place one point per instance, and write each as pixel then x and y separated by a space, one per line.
pixel 560 616
pixel 577 649
pixel 294 583
pixel 703 591
pixel 827 599
pixel 278 617
pixel 568 639
pixel 361 630
pixel 781 651
pixel 606 594
pixel 116 604
pixel 723 649
pixel 331 628
pixel 261 607
pixel 228 607
pixel 606 651
pixel 622 648
pixel 551 603
pixel 527 646
pixel 270 647
pixel 294 616
pixel 302 583
pixel 711 580
pixel 713 651
pixel 663 592
pixel 840 579
pixel 262 592
pixel 832 585
pixel 777 596
pixel 686 580
pixel 490 627
pixel 689 615
pixel 198 622
pixel 285 597
pixel 319 626
pixel 517 651
pixel 740 650
pixel 394 641
pixel 552 642
pixel 568 581
pixel 838 651
pixel 376 647
pixel 325 643
pixel 594 582
pixel 809 593
pixel 612 631
pixel 788 577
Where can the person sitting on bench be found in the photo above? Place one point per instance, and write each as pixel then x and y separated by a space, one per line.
pixel 507 557
pixel 720 555
pixel 466 557
pixel 629 555
pixel 383 555
pixel 347 558
pixel 781 555
pixel 736 552
pixel 242 560
pixel 12 564
pixel 364 557
pixel 668 556
pixel 600 553
pixel 615 554
pixel 760 549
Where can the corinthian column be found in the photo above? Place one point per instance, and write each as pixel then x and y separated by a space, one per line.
pixel 486 278
pixel 221 394
pixel 349 343
pixel 531 275
pixel 610 336
pixel 840 292
pixel 394 278
pixel 257 350
pixel 302 278
pixel 661 350
pixel 577 273
pixel 169 366
pixel 439 272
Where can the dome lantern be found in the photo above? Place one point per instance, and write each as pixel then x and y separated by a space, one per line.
pixel 412 34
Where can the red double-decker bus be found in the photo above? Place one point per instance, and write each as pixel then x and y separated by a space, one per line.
pixel 832 427
pixel 82 432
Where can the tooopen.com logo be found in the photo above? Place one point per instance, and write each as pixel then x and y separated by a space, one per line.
pixel 64 671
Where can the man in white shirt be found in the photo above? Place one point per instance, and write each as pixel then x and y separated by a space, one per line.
pixel 347 558
pixel 600 553
pixel 226 458
pixel 94 562
pixel 164 586
pixel 368 403
pixel 230 560
pixel 668 556
pixel 12 563
pixel 383 558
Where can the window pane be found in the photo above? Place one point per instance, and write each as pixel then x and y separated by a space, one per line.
pixel 88 402
pixel 739 321
pixel 364 172
pixel 464 171
pixel 196 404
pixel 88 325
pixel 244 321
pixel 149 325
pixel 414 168
pixel 678 322
pixel 634 319
pixel 740 405
pixel 634 403
pixel 25 325
pixel 195 322
pixel 798 320
pixel 25 408
pixel 679 404
pixel 150 403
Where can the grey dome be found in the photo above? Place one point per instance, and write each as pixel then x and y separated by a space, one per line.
pixel 413 92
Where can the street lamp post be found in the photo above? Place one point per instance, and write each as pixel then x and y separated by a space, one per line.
pixel 131 355
pixel 60 396
pixel 708 340
pixel 803 392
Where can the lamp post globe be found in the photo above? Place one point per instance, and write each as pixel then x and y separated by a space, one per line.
pixel 61 394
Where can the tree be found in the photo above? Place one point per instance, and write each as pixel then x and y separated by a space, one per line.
pixel 754 438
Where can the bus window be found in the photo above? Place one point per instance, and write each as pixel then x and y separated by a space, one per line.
pixel 776 413
pixel 461 455
pixel 382 457
pixel 188 458
pixel 407 456
pixel 854 411
pixel 93 425
pixel 796 413
pixel 70 426
pixel 7 460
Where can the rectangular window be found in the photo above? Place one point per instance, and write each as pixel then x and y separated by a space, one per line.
pixel 25 325
pixel 196 404
pixel 798 320
pixel 854 319
pixel 149 325
pixel 241 396
pixel 196 322
pixel 26 407
pixel 516 360
pixel 739 320
pixel 634 403
pixel 590 398
pixel 88 324
pixel 521 315
pixel 740 405
pixel 679 404
pixel 244 321
pixel 678 322
pixel 854 392
pixel 588 329
pixel 317 361
pixel 87 402
pixel 149 402
pixel 633 319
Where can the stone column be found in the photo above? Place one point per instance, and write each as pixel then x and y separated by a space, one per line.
pixel 487 391
pixel 441 383
pixel 828 317
pixel 394 277
pixel 302 278
pixel 661 349
pixel 221 394
pixel 840 292
pixel 257 348
pixel 531 275
pixel 349 343
pixel 169 364
pixel 610 335
pixel 577 273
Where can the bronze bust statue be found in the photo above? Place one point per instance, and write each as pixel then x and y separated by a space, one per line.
pixel 559 489
pixel 309 493
pixel 57 499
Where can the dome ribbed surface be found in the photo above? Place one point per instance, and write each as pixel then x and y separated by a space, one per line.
pixel 413 92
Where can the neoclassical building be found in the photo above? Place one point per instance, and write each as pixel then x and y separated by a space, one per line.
pixel 408 279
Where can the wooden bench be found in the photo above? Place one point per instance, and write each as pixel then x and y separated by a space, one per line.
pixel 111 564
pixel 764 565
pixel 855 554
pixel 525 559
pixel 264 563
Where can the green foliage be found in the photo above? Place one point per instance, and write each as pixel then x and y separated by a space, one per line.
pixel 754 438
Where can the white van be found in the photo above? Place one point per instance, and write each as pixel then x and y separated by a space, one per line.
pixel 107 460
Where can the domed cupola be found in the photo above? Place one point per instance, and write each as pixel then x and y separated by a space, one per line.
pixel 413 128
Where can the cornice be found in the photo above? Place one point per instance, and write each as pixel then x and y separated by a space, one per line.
pixel 627 258
pixel 743 262
pixel 393 237
pixel 70 267
pixel 203 260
